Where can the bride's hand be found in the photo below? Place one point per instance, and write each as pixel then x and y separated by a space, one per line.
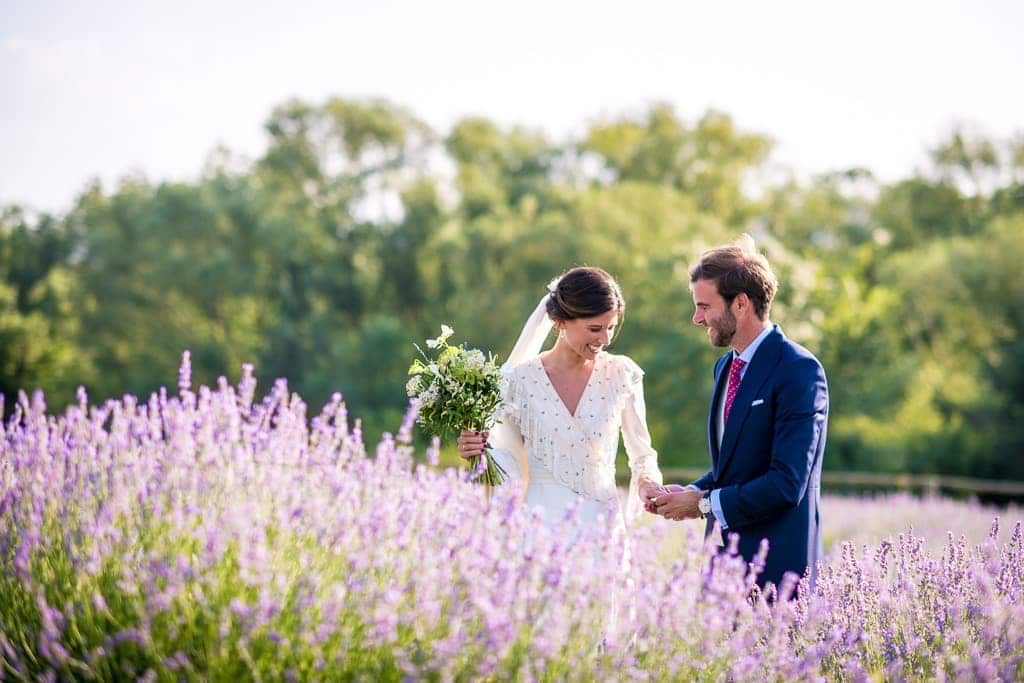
pixel 472 443
pixel 649 491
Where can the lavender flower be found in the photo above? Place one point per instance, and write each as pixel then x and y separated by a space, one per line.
pixel 214 534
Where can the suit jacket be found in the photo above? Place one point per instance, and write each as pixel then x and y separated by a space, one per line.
pixel 769 465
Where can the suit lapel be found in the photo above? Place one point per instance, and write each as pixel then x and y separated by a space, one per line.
pixel 716 396
pixel 760 369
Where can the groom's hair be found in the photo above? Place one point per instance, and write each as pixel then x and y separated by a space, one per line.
pixel 585 292
pixel 736 268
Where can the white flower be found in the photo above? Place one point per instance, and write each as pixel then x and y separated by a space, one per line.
pixel 412 387
pixel 445 333
pixel 429 396
pixel 475 360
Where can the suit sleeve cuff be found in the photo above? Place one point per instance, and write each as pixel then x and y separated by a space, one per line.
pixel 716 508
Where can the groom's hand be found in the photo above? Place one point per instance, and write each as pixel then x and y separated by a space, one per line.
pixel 678 505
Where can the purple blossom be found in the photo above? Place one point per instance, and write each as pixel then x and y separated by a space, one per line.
pixel 135 528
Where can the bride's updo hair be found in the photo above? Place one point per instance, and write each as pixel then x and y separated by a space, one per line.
pixel 584 292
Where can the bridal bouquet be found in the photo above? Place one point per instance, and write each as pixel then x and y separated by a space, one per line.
pixel 458 389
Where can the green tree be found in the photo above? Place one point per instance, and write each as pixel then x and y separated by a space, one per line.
pixel 360 230
pixel 708 162
pixel 37 324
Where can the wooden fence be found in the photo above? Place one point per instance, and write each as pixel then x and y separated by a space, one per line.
pixel 925 483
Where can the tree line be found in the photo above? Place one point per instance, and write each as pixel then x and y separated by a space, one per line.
pixel 361 229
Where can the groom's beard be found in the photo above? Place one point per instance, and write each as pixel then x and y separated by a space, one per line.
pixel 722 330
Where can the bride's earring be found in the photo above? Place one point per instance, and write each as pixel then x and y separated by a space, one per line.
pixel 561 333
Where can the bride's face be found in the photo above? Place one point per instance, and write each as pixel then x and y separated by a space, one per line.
pixel 589 336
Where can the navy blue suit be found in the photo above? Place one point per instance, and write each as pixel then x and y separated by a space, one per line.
pixel 769 464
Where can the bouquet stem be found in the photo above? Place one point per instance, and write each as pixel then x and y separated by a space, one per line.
pixel 486 470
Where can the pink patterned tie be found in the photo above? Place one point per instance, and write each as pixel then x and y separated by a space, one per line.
pixel 734 384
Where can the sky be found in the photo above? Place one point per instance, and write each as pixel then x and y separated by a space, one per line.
pixel 110 88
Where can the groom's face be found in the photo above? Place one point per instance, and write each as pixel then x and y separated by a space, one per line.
pixel 711 312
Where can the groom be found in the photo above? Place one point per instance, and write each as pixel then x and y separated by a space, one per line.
pixel 767 422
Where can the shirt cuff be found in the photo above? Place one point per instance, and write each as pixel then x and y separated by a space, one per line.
pixel 716 508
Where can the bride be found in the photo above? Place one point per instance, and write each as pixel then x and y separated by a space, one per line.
pixel 563 408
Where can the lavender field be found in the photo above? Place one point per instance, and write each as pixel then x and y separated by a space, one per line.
pixel 215 535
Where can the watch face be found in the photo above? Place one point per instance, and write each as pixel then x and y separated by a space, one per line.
pixel 704 505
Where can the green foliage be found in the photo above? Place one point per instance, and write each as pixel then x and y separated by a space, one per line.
pixel 707 162
pixel 917 211
pixel 37 314
pixel 360 229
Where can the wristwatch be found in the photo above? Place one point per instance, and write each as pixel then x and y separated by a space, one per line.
pixel 704 504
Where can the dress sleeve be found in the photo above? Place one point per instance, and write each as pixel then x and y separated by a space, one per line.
pixel 506 438
pixel 643 459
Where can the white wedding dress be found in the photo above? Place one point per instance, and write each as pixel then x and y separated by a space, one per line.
pixel 565 460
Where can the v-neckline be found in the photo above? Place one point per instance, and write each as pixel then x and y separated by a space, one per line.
pixel 583 394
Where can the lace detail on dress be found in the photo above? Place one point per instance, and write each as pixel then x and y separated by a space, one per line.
pixel 643 459
pixel 578 451
pixel 555 447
